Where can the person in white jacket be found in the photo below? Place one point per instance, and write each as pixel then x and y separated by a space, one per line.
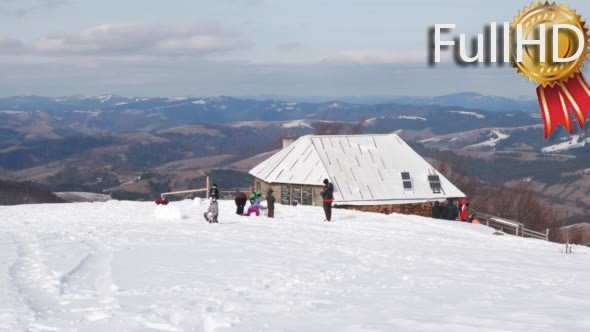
pixel 213 212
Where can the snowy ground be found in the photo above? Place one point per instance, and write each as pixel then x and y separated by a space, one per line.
pixel 122 266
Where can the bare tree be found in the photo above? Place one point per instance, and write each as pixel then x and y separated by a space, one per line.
pixel 455 171
pixel 325 127
pixel 358 127
pixel 519 202
pixel 575 234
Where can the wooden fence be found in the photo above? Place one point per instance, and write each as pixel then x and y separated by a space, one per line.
pixel 511 227
pixel 203 191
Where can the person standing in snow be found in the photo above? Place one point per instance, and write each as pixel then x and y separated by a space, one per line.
pixel 254 207
pixel 213 212
pixel 253 196
pixel 328 196
pixel 451 211
pixel 436 210
pixel 270 201
pixel 240 200
pixel 463 210
pixel 214 192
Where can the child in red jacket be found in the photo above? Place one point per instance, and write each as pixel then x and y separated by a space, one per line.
pixel 463 210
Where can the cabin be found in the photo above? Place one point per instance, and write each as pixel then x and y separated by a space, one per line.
pixel 379 173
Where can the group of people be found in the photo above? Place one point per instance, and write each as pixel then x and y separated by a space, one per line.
pixel 241 199
pixel 447 211
pixel 450 211
pixel 255 206
pixel 255 199
pixel 255 202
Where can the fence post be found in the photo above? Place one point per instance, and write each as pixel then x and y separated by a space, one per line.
pixel 208 188
pixel 516 230
pixel 547 234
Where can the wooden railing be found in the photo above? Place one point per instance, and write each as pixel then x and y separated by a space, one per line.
pixel 511 227
pixel 536 235
pixel 192 191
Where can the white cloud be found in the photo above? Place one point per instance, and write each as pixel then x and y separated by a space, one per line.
pixel 382 57
pixel 291 46
pixel 366 57
pixel 157 76
pixel 245 2
pixel 27 7
pixel 190 39
pixel 9 43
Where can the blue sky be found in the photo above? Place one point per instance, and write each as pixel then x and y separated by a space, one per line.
pixel 244 47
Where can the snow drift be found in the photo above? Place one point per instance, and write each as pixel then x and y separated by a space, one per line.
pixel 120 266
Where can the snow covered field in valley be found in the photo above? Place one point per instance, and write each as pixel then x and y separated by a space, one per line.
pixel 125 266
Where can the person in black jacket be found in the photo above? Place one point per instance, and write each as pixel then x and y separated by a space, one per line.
pixel 240 200
pixel 270 201
pixel 214 192
pixel 436 210
pixel 451 211
pixel 328 196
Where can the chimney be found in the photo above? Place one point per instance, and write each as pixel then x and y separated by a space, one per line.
pixel 288 141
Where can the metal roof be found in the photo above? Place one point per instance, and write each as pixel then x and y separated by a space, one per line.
pixel 365 169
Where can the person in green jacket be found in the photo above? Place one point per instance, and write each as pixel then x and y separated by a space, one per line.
pixel 254 195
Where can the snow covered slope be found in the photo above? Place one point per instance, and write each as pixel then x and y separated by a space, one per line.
pixel 123 266
pixel 573 142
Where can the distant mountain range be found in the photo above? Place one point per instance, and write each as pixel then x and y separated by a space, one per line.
pixel 110 142
pixel 476 101
pixel 30 118
pixel 470 100
pixel 464 99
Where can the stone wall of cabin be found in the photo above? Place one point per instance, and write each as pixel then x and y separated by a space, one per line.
pixel 264 186
pixel 420 209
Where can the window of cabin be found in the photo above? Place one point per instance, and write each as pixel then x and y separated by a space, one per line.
pixel 435 185
pixel 407 181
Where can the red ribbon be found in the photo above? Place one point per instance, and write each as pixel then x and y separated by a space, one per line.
pixel 557 101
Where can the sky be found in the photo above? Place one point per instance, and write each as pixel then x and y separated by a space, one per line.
pixel 245 47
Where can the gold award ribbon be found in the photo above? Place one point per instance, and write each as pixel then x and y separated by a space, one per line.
pixel 562 88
